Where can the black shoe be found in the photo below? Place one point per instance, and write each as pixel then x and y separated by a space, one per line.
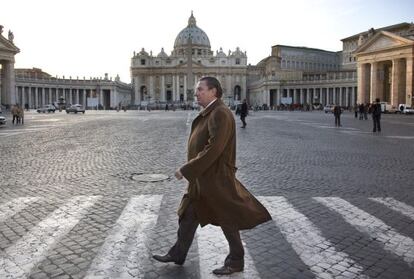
pixel 227 270
pixel 167 259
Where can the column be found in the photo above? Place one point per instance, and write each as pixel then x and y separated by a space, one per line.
pixel 409 81
pixel 395 82
pixel 347 96
pixel 77 95
pixel 50 96
pixel 374 81
pixel 163 98
pixel 8 84
pixel 101 97
pixel 84 98
pixel 278 97
pixel 302 96
pixel 137 91
pixel 230 92
pixel 23 97
pixel 361 83
pixel 177 86
pixel 185 88
pixel 30 97
pixel 173 89
pixel 36 103
pixel 308 96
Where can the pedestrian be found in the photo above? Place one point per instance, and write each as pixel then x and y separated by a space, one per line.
pixel 337 113
pixel 361 111
pixel 214 195
pixel 15 113
pixel 244 110
pixel 366 108
pixel 166 107
pixel 376 115
pixel 356 110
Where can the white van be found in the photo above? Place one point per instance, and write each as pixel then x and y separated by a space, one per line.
pixel 387 108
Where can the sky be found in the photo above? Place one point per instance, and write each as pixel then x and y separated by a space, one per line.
pixel 90 38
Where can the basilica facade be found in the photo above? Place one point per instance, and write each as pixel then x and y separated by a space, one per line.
pixel 170 78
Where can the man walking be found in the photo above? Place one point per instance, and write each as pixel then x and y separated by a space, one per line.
pixel 376 115
pixel 244 110
pixel 337 113
pixel 214 195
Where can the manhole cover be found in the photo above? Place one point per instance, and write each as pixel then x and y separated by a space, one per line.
pixel 149 177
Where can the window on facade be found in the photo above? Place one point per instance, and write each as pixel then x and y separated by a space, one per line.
pixel 181 61
pixel 143 61
pixel 237 61
pixel 168 61
pixel 223 62
pixel 157 62
pixel 192 51
pixel 199 52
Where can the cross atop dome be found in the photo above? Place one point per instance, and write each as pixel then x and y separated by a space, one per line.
pixel 192 20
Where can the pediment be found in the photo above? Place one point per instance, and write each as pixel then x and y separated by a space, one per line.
pixel 383 40
pixel 6 46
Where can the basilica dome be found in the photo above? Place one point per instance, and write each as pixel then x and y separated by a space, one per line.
pixel 198 36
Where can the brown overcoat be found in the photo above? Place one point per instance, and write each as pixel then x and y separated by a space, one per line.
pixel 217 196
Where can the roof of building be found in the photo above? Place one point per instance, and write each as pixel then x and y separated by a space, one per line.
pixel 192 31
pixel 386 28
pixel 305 48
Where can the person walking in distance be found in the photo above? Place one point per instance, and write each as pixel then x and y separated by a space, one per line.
pixel 337 113
pixel 243 113
pixel 214 195
pixel 376 115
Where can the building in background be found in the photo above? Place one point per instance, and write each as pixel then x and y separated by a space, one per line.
pixel 34 88
pixel 164 78
pixel 372 64
pixel 377 63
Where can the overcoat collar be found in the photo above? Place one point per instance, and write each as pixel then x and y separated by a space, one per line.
pixel 210 108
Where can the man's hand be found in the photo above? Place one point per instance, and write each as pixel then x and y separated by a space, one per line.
pixel 178 175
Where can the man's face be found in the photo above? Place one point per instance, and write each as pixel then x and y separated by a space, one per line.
pixel 203 94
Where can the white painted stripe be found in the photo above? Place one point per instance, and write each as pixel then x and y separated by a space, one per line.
pixel 401 207
pixel 124 254
pixel 17 260
pixel 307 241
pixel 14 206
pixel 212 251
pixel 393 242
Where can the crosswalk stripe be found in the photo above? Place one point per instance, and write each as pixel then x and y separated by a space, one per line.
pixel 124 252
pixel 17 260
pixel 307 240
pixel 213 249
pixel 398 206
pixel 393 242
pixel 14 206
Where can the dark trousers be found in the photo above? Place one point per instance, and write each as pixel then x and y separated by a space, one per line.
pixel 243 120
pixel 188 224
pixel 337 120
pixel 377 123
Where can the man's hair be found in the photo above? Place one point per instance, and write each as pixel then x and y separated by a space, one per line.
pixel 212 82
pixel 377 100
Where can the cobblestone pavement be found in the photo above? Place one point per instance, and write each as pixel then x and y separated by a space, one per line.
pixel 341 198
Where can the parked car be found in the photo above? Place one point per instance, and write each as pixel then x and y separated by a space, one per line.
pixel 403 108
pixel 2 119
pixel 47 108
pixel 328 108
pixel 75 109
